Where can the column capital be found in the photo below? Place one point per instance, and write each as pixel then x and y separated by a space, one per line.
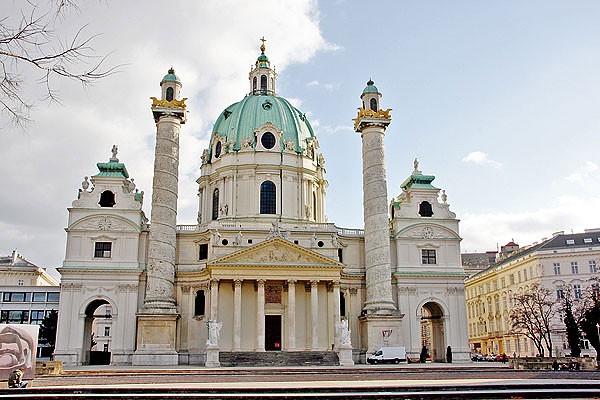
pixel 314 282
pixel 261 282
pixel 336 283
pixel 292 281
pixel 214 280
pixel 238 282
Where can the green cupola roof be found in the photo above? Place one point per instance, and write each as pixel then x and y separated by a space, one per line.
pixel 418 181
pixel 238 121
pixel 170 77
pixel 112 169
pixel 371 88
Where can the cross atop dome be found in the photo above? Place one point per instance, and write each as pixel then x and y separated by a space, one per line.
pixel 262 77
pixel 262 46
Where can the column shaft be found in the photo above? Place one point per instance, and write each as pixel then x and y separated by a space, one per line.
pixel 336 312
pixel 214 299
pixel 291 345
pixel 314 313
pixel 237 315
pixel 260 316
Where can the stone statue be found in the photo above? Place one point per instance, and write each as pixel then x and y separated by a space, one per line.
pixel 199 217
pixel 313 240
pixel 334 241
pixel 238 239
pixel 224 209
pixel 307 211
pixel 275 231
pixel 444 196
pixel 216 237
pixel 85 184
pixel 115 150
pixel 344 333
pixel 214 331
pixel 131 185
pixel 416 164
pixel 205 156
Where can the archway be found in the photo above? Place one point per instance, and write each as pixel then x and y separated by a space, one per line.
pixel 96 333
pixel 432 331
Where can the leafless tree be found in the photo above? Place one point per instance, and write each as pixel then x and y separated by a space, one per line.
pixel 29 43
pixel 531 316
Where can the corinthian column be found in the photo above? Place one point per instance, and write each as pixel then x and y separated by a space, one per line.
pixel 314 313
pixel 260 316
pixel 237 314
pixel 291 315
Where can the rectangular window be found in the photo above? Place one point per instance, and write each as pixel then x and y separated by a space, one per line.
pixel 107 331
pixel 574 267
pixel 570 241
pixel 428 256
pixel 587 240
pixel 524 274
pixel 497 305
pixel 106 347
pixel 504 303
pixel 102 250
pixel 39 297
pixel 531 272
pixel 511 279
pixel 16 297
pixel 496 285
pixel 37 317
pixel 520 280
pixel 577 291
pixel 487 288
pixel 556 268
pixel 341 255
pixel 593 267
pixel 21 282
pixel 503 282
pixel 16 317
pixel 53 297
pixel 559 293
pixel 203 255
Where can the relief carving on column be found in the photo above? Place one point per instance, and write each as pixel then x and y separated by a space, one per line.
pixel 353 291
pixel 185 288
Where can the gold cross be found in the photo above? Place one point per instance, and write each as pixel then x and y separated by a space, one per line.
pixel 263 40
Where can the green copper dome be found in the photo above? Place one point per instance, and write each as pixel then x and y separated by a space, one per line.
pixel 371 88
pixel 170 77
pixel 239 120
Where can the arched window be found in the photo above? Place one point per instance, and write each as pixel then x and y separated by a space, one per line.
pixel 215 205
pixel 268 198
pixel 342 304
pixel 425 209
pixel 374 104
pixel 254 83
pixel 314 206
pixel 263 83
pixel 199 303
pixel 107 199
pixel 169 93
pixel 218 148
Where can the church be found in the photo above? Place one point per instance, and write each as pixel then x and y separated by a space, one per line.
pixel 262 272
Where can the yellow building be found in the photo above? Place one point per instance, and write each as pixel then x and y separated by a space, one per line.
pixel 561 263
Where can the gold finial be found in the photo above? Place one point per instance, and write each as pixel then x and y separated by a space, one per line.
pixel 262 46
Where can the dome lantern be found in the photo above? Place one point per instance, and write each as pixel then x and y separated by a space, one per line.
pixel 170 85
pixel 262 77
pixel 370 97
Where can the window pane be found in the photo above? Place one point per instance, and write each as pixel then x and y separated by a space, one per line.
pixel 268 198
pixel 53 297
pixel 39 297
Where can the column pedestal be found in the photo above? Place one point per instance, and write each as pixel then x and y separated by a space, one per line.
pixel 156 340
pixel 371 328
pixel 345 355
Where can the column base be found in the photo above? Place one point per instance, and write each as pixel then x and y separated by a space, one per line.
pixel 212 357
pixel 372 328
pixel 156 335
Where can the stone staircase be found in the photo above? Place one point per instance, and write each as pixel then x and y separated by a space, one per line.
pixel 277 358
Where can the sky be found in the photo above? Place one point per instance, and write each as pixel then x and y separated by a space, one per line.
pixel 497 99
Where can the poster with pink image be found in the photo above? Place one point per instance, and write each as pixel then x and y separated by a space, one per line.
pixel 18 346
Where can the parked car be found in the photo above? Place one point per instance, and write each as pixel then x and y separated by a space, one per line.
pixel 388 354
pixel 477 357
pixel 490 357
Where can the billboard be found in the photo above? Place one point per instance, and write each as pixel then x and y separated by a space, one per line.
pixel 18 346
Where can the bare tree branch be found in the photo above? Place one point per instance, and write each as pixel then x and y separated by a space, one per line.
pixel 33 45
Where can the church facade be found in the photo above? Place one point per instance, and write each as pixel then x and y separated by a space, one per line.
pixel 262 270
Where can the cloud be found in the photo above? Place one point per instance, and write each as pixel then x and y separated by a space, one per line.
pixel 44 167
pixel 480 158
pixel 328 86
pixel 296 102
pixel 481 231
pixel 583 173
pixel 313 83
pixel 331 130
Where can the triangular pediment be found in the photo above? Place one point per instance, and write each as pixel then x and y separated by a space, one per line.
pixel 277 252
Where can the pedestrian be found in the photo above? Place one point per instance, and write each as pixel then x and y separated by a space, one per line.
pixel 555 365
pixel 15 379
pixel 514 355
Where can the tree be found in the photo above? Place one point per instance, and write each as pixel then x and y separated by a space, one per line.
pixel 30 44
pixel 531 315
pixel 573 333
pixel 48 329
pixel 590 318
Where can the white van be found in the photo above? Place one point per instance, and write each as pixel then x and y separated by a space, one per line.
pixel 388 354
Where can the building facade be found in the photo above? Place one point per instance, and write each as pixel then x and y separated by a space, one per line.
pixel 262 268
pixel 565 262
pixel 27 294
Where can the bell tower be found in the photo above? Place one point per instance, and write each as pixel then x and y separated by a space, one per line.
pixel 157 321
pixel 380 318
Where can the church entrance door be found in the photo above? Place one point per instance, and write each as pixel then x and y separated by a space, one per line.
pixel 273 332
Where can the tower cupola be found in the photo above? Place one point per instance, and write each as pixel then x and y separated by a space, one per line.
pixel 371 97
pixel 170 85
pixel 262 77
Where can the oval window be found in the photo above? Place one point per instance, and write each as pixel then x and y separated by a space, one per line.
pixel 268 140
pixel 218 150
